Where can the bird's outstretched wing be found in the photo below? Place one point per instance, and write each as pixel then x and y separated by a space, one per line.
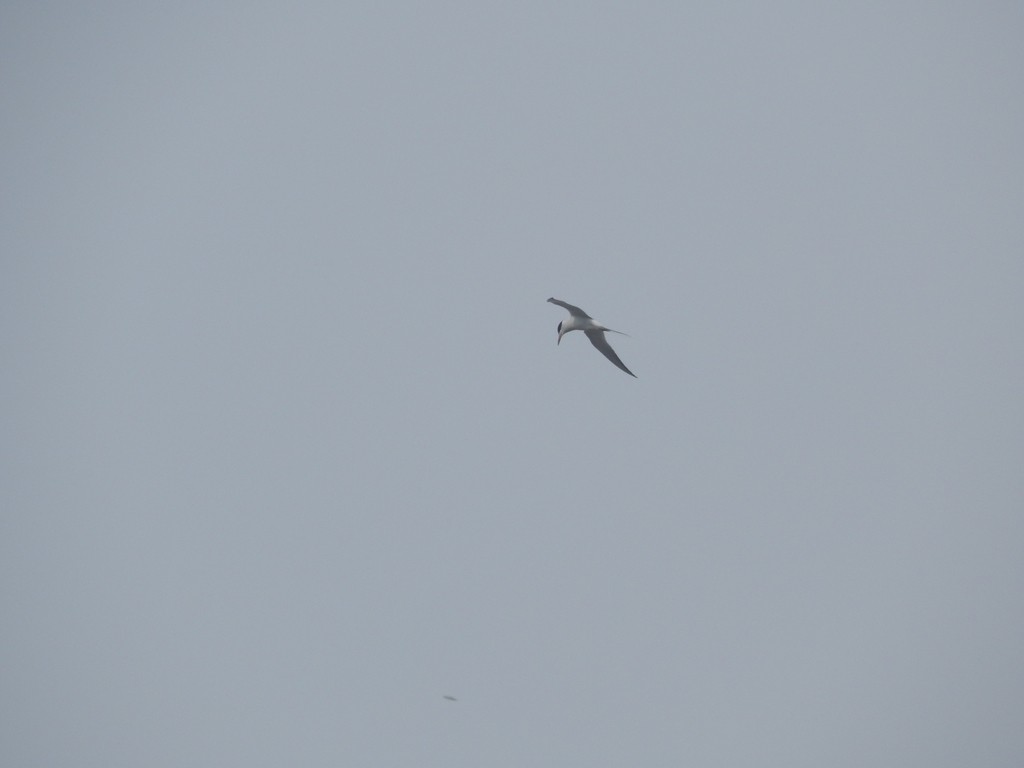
pixel 598 340
pixel 574 311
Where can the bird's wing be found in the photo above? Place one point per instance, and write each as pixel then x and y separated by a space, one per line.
pixel 574 311
pixel 598 340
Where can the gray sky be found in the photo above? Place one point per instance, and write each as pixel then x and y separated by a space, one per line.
pixel 290 452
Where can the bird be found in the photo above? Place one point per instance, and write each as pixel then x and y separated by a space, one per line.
pixel 581 321
pixel 450 698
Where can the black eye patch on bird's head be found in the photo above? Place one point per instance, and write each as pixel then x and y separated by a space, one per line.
pixel 559 329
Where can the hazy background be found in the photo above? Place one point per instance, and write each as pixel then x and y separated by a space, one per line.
pixel 290 453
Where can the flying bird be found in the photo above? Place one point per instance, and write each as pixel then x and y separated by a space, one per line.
pixel 450 698
pixel 581 321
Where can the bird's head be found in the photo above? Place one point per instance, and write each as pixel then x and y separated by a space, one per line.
pixel 559 334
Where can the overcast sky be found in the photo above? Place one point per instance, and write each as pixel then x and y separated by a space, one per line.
pixel 290 454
